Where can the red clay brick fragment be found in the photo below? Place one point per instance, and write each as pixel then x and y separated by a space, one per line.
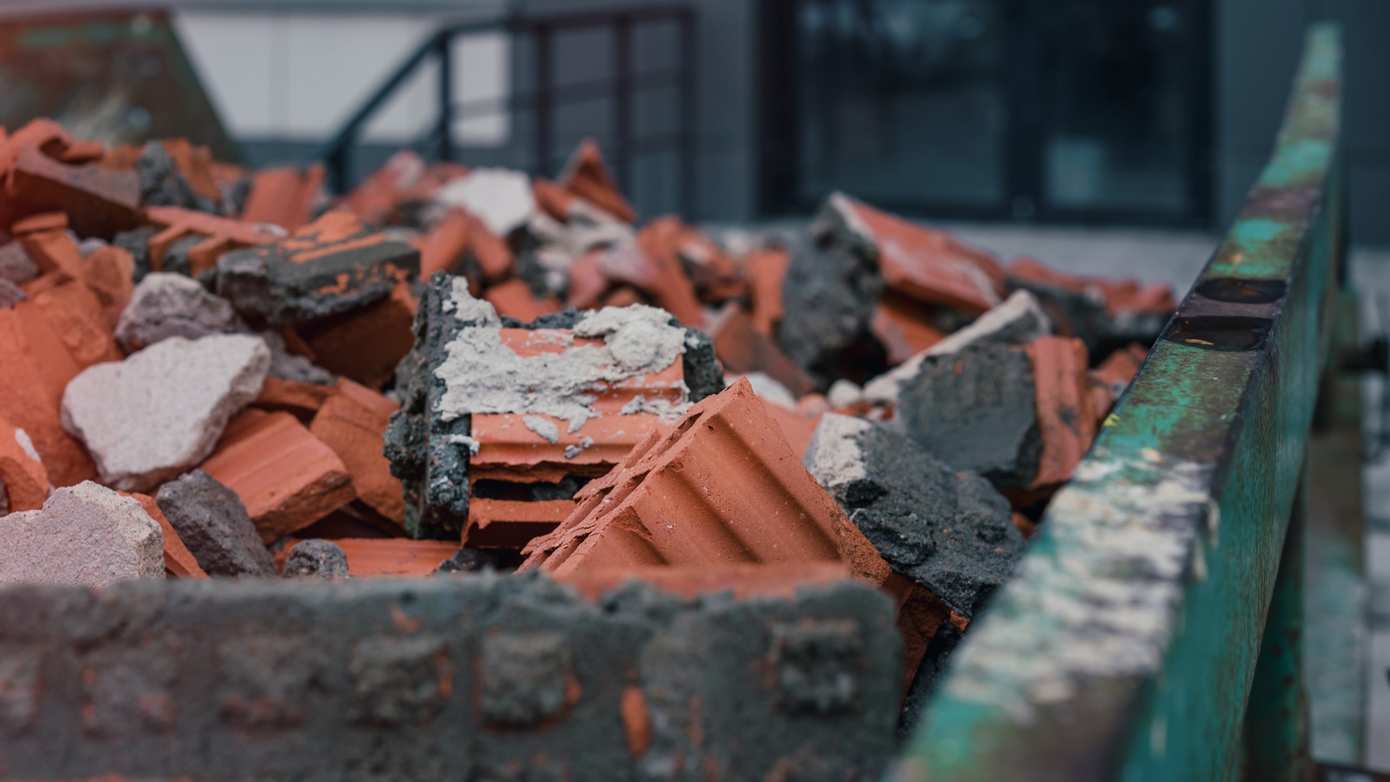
pixel 586 176
pixel 98 201
pixel 23 478
pixel 352 423
pixel 365 344
pixel 284 196
pixel 722 486
pixel 1065 419
pixel 514 299
pixel 37 367
pixel 369 557
pixel 742 349
pixel 766 270
pixel 928 265
pixel 302 400
pixel 286 477
pixel 220 234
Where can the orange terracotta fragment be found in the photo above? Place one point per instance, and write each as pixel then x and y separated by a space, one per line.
pixel 47 221
pixel 302 400
pixel 742 349
pixel 178 560
pixel 220 234
pixel 365 344
pixel 108 272
pixel 37 368
pixel 797 426
pixel 514 299
pixel 677 246
pixel 353 424
pixel 462 244
pixel 23 478
pixel 1120 296
pixel 925 264
pixel 722 486
pixel 766 270
pixel 195 165
pixel 552 199
pixel 54 251
pixel 374 557
pixel 511 524
pixel 587 177
pixel 376 198
pixel 286 477
pixel 75 315
pixel 284 196
pixel 903 328
pixel 98 201
pixel 1065 418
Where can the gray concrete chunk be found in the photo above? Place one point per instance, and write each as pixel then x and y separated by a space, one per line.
pixel 160 411
pixel 214 525
pixel 321 558
pixel 85 534
pixel 949 531
pixel 171 305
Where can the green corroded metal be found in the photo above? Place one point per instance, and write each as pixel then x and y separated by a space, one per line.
pixel 1126 645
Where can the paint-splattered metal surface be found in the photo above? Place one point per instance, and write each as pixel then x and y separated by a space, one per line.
pixel 1125 646
pixel 117 76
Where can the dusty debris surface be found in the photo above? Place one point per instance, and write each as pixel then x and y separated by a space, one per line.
pixel 820 453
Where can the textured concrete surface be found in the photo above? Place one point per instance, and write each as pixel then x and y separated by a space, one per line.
pixel 467 677
pixel 173 305
pixel 214 525
pixel 86 535
pixel 160 411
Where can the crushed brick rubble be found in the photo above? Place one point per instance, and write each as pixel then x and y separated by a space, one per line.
pixel 693 501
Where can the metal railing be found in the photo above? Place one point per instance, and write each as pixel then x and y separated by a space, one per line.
pixel 544 94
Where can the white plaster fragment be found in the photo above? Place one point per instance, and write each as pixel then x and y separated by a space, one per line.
pixel 834 457
pixel 501 198
pixel 543 427
pixel 481 375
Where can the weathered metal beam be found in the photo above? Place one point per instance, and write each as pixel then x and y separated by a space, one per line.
pixel 1126 644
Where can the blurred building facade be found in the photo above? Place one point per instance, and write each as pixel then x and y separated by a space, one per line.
pixel 1149 112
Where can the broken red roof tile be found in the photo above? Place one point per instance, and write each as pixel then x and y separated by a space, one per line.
pixel 511 524
pixel 286 477
pixel 1065 419
pixel 462 244
pixel 178 560
pixel 369 557
pixel 75 315
pixel 108 272
pixel 588 283
pixel 743 580
pixel 352 423
pixel 586 176
pixel 37 368
pixel 722 486
pixel 514 299
pixel 903 328
pixel 53 251
pixel 928 265
pixel 284 196
pixel 1120 296
pixel 220 235
pixel 23 478
pixel 675 245
pixel 302 400
pixel 552 199
pixel 644 266
pixel 743 349
pixel 195 165
pixel 366 344
pixel 766 270
pixel 98 201
pixel 377 196
pixel 45 221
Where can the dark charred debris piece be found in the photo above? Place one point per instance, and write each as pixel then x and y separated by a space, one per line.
pixel 330 266
pixel 976 410
pixel 316 558
pixel 214 525
pixel 945 529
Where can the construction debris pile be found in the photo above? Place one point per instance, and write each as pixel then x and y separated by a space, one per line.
pixel 215 372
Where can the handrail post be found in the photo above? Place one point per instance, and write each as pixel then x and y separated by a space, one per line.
pixel 444 46
pixel 541 37
pixel 622 99
pixel 687 113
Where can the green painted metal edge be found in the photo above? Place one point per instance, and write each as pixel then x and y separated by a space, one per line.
pixel 1126 644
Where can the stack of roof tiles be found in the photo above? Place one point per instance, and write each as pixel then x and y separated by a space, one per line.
pixel 452 369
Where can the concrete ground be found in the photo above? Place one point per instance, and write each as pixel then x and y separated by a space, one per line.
pixel 1177 258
